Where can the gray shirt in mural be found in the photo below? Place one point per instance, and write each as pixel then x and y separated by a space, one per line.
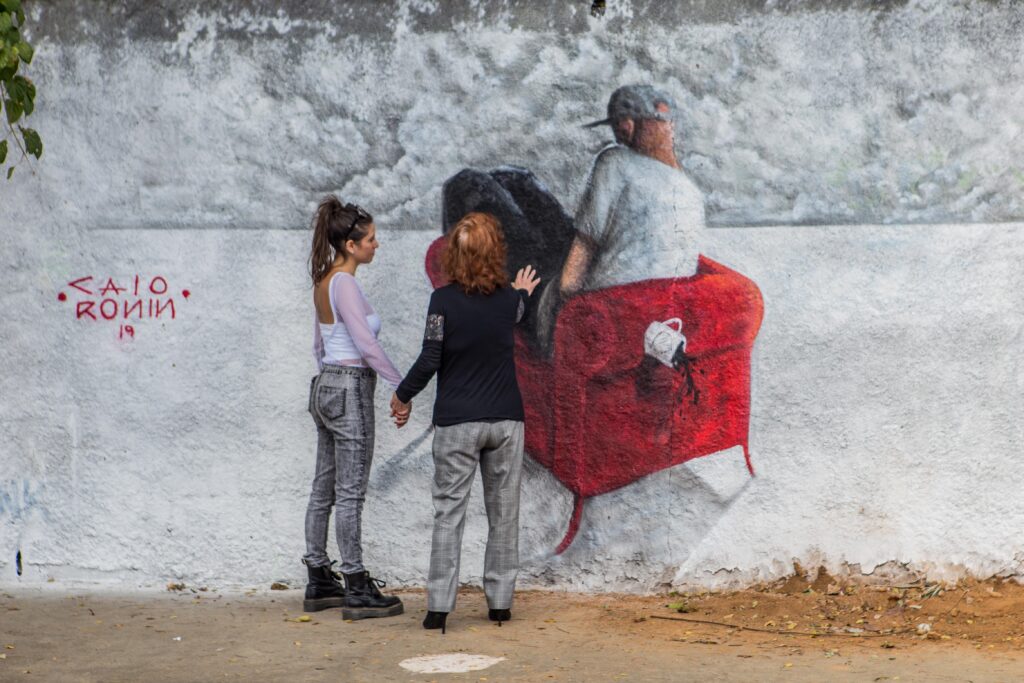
pixel 645 219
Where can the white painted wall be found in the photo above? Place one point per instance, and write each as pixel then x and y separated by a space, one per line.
pixel 886 384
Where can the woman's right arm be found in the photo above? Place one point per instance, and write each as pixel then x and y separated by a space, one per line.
pixel 429 360
pixel 524 284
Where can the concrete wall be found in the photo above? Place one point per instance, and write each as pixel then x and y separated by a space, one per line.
pixel 877 149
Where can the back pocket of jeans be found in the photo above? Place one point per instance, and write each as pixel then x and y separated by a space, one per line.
pixel 331 402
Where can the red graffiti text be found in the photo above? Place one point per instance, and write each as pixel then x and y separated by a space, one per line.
pixel 133 299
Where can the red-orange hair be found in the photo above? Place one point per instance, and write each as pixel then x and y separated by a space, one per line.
pixel 475 254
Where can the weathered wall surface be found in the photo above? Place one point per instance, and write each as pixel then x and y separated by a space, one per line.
pixel 880 148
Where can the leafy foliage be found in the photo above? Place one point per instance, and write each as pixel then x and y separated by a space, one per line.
pixel 17 93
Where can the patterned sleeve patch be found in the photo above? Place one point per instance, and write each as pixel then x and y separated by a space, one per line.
pixel 435 328
pixel 521 310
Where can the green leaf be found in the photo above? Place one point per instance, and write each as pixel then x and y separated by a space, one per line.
pixel 22 90
pixel 10 172
pixel 5 22
pixel 3 151
pixel 33 143
pixel 16 89
pixel 26 52
pixel 14 110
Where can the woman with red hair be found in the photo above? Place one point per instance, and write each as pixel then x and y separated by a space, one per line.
pixel 478 412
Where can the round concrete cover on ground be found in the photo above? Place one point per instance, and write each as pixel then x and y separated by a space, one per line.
pixel 454 663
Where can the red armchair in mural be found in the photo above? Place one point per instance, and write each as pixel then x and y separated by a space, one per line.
pixel 601 414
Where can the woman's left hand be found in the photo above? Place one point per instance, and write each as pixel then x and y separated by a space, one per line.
pixel 400 411
pixel 526 279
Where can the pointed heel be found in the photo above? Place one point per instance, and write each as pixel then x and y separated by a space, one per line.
pixel 499 615
pixel 435 620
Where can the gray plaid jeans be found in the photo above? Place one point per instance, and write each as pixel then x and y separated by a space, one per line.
pixel 341 402
pixel 498 447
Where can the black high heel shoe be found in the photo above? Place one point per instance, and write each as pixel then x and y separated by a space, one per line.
pixel 499 615
pixel 435 620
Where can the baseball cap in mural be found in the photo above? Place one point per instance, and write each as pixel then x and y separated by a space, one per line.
pixel 637 102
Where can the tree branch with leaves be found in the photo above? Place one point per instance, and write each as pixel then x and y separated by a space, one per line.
pixel 17 93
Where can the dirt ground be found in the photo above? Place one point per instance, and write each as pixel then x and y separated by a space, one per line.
pixel 809 632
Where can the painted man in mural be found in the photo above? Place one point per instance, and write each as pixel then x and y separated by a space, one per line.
pixel 640 216
pixel 650 365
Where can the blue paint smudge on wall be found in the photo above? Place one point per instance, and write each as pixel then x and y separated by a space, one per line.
pixel 17 498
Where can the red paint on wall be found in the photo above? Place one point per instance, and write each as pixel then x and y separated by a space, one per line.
pixel 160 308
pixel 601 414
pixel 83 308
pixel 121 302
pixel 111 286
pixel 77 284
pixel 137 305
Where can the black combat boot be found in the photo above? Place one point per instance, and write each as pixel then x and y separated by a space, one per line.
pixel 364 600
pixel 324 590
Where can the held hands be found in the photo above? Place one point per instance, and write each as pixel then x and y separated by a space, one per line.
pixel 526 279
pixel 400 411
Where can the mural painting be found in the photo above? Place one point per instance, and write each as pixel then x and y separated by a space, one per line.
pixel 637 355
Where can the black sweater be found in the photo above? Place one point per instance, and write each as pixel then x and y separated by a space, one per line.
pixel 469 344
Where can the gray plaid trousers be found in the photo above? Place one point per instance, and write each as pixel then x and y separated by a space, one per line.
pixel 498 447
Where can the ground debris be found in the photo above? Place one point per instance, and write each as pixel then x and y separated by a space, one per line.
pixel 681 607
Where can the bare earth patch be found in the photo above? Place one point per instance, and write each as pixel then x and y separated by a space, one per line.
pixel 974 631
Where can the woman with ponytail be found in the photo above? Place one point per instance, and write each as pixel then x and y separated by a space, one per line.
pixel 349 358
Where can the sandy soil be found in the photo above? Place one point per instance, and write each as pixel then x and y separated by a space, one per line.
pixel 975 632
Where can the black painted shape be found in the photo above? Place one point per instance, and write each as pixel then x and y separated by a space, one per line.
pixel 537 229
pixel 17 563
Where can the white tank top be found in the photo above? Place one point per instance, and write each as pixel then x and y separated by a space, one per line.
pixel 338 344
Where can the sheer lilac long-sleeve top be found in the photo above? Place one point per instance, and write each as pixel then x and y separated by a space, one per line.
pixel 352 338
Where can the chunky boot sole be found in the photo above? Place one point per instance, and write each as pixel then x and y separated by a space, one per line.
pixel 356 613
pixel 317 604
